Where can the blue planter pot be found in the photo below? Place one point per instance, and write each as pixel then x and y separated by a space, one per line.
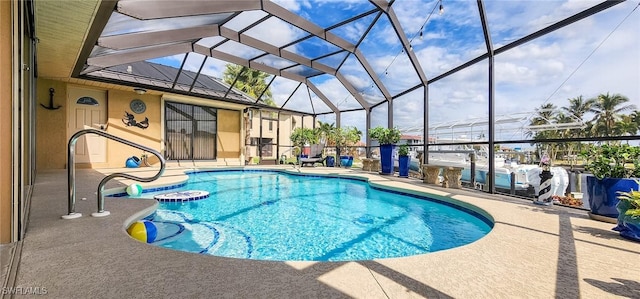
pixel 346 161
pixel 331 161
pixel 386 158
pixel 629 228
pixel 603 196
pixel 403 166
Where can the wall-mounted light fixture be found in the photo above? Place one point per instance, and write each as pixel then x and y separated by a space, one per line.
pixel 139 90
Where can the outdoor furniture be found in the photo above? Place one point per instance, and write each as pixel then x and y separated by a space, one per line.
pixel 312 161
pixel 370 164
pixel 316 156
pixel 451 175
pixel 431 173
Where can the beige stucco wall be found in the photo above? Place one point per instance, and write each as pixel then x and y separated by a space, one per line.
pixel 288 123
pixel 118 103
pixel 51 126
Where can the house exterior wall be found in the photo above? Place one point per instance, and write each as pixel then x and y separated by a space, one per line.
pixel 286 129
pixel 119 102
pixel 281 145
pixel 51 126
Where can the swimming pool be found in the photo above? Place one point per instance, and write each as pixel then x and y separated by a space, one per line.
pixel 270 215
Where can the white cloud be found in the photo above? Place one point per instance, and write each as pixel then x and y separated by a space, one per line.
pixel 281 88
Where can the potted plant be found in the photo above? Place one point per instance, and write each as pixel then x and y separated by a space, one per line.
pixel 387 137
pixel 613 167
pixel 344 137
pixel 403 161
pixel 629 210
pixel 327 135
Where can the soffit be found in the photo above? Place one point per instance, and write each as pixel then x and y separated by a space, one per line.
pixel 61 28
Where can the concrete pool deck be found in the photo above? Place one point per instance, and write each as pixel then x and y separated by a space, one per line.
pixel 532 251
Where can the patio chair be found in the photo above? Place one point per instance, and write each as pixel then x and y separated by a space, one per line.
pixel 315 156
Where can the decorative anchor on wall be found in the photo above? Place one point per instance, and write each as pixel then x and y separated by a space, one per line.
pixel 51 107
pixel 129 120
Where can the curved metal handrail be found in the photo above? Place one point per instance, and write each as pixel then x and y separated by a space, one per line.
pixel 71 171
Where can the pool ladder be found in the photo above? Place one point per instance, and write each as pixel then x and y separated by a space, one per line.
pixel 71 172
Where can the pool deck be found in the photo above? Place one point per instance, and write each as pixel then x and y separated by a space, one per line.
pixel 532 252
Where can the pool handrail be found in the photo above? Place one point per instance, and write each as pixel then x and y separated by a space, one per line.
pixel 71 171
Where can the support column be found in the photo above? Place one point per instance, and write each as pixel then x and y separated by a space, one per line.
pixel 491 180
pixel 260 138
pixel 366 132
pixel 337 148
pixel 492 131
pixel 390 113
pixel 278 139
pixel 425 151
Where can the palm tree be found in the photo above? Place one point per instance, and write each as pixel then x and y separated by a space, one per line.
pixel 561 118
pixel 635 117
pixel 577 108
pixel 545 115
pixel 326 131
pixel 249 81
pixel 607 109
pixel 626 126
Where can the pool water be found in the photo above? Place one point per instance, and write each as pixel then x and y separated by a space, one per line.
pixel 268 215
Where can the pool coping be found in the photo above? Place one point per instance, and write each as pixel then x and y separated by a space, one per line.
pixel 532 251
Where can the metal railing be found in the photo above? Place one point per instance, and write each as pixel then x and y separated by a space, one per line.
pixel 71 172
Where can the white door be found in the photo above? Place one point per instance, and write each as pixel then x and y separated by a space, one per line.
pixel 87 109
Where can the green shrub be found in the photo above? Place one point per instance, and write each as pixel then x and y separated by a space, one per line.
pixel 403 150
pixel 612 161
pixel 385 135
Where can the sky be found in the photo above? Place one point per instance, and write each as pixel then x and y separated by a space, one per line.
pixel 587 58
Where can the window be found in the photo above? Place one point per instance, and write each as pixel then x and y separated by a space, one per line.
pixel 87 101
pixel 270 126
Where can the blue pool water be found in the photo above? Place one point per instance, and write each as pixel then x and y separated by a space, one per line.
pixel 268 215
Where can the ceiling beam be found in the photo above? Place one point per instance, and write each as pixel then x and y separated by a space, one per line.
pixel 143 39
pixel 140 54
pixel 99 22
pixel 144 10
pixel 322 96
pixel 352 91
